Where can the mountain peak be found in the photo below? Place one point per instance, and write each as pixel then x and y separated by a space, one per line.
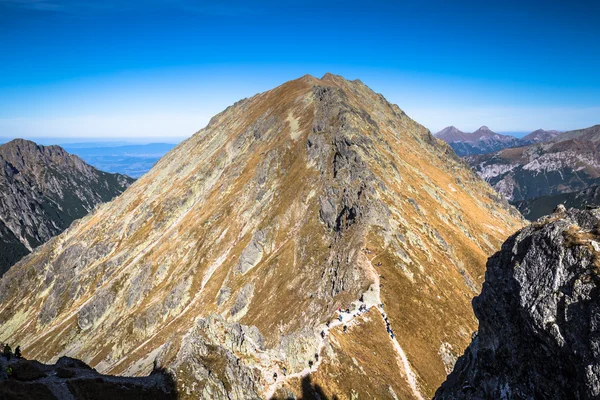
pixel 452 134
pixel 329 76
pixel 539 135
pixel 483 128
pixel 197 267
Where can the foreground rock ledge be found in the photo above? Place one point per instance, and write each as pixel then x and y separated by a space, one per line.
pixel 539 316
pixel 71 379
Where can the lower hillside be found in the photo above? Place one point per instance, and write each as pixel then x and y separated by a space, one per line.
pixel 539 316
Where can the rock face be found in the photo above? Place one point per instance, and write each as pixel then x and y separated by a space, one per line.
pixel 228 261
pixel 539 313
pixel 71 379
pixel 568 163
pixel 42 190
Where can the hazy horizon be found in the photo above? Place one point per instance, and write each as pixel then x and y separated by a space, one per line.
pixel 141 140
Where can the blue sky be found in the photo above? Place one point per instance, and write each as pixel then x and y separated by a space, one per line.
pixel 160 69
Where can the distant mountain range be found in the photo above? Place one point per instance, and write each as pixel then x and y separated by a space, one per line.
pixel 42 190
pixel 537 177
pixel 484 140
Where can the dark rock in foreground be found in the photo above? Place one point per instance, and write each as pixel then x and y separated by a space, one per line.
pixel 71 379
pixel 539 316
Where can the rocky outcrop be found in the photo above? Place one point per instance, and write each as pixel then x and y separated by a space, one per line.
pixel 227 263
pixel 539 316
pixel 42 191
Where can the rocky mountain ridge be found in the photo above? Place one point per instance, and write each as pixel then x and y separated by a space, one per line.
pixel 538 316
pixel 312 234
pixel 43 189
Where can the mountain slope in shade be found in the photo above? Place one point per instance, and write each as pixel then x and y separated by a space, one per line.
pixel 482 141
pixel 229 260
pixel 568 163
pixel 42 190
pixel 538 316
pixel 544 205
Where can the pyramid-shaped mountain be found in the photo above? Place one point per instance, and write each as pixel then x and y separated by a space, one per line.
pixel 310 239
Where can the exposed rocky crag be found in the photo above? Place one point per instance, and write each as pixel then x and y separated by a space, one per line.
pixel 539 316
pixel 43 189
pixel 568 163
pixel 228 261
pixel 70 379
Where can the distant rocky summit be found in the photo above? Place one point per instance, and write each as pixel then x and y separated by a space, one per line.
pixel 484 140
pixel 539 316
pixel 538 136
pixel 42 190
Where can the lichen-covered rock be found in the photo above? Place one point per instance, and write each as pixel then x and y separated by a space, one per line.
pixel 539 316
pixel 253 253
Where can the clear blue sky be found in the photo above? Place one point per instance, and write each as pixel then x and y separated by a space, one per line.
pixel 161 69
